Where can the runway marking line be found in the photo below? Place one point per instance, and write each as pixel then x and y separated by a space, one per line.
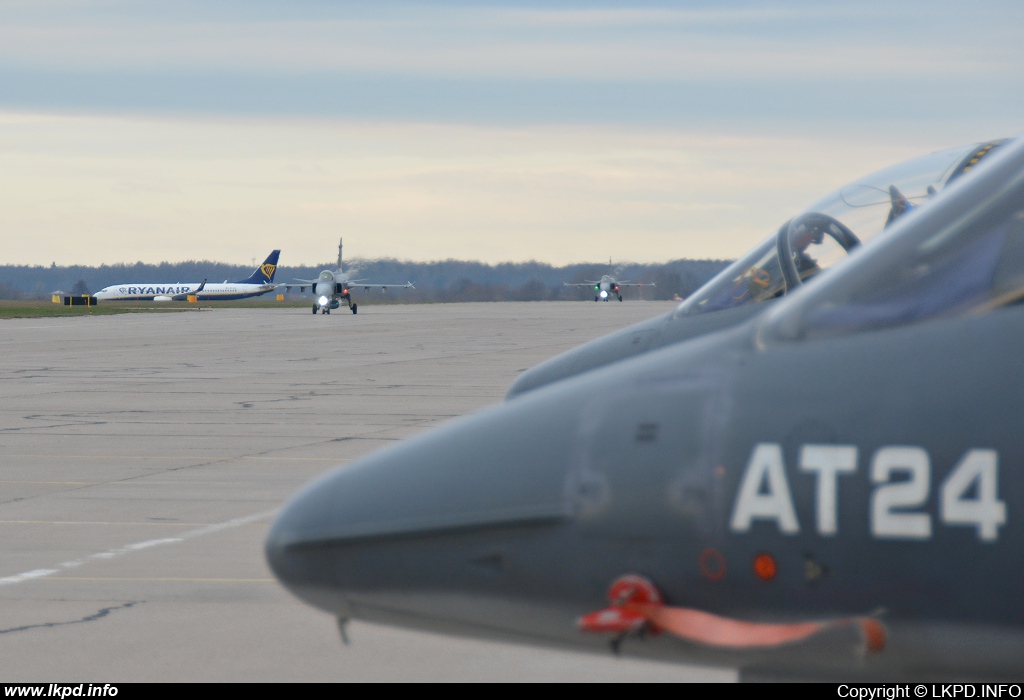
pixel 52 483
pixel 135 547
pixel 151 457
pixel 99 522
pixel 183 457
pixel 162 579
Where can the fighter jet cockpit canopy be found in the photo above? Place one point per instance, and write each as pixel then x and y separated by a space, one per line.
pixel 963 254
pixel 826 231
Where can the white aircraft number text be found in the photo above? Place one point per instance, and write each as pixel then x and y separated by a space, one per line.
pixel 902 477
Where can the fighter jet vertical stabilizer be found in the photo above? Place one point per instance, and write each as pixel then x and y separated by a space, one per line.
pixel 333 287
pixel 829 490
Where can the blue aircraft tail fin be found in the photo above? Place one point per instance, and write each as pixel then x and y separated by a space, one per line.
pixel 900 205
pixel 264 274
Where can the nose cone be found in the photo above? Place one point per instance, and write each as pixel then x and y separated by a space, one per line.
pixel 616 346
pixel 399 520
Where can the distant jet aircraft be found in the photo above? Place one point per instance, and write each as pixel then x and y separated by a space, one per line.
pixel 805 245
pixel 333 287
pixel 259 282
pixel 607 286
pixel 830 490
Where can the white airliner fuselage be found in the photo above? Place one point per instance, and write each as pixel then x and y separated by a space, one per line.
pixel 260 282
pixel 166 292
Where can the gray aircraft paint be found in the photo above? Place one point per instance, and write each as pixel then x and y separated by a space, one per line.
pixel 513 522
pixel 608 286
pixel 688 321
pixel 639 338
pixel 332 287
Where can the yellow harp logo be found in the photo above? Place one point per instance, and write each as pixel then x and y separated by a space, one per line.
pixel 268 270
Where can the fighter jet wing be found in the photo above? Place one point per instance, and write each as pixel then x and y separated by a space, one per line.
pixel 301 284
pixel 186 295
pixel 636 284
pixel 581 284
pixel 367 285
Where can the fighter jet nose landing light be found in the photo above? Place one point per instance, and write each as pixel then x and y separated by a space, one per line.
pixel 334 288
pixel 699 504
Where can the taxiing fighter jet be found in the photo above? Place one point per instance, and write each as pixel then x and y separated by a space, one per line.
pixel 832 489
pixel 805 245
pixel 335 286
pixel 607 286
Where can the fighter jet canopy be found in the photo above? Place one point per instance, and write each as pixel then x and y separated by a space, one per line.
pixel 964 254
pixel 826 231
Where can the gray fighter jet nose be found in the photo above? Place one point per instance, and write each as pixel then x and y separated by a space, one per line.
pixel 629 342
pixel 410 517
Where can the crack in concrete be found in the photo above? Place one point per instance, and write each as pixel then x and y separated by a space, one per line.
pixel 57 418
pixel 371 435
pixel 101 613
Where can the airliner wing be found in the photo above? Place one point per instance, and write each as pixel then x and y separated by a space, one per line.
pixel 186 295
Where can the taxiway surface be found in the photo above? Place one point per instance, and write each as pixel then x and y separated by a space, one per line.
pixel 143 455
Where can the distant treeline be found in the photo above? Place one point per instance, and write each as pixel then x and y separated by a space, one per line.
pixel 439 281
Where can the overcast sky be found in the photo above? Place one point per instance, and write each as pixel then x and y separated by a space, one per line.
pixel 556 131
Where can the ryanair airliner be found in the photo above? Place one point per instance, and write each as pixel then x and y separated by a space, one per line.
pixel 260 282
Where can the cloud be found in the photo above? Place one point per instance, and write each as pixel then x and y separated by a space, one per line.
pixel 105 189
pixel 498 131
pixel 647 44
pixel 797 64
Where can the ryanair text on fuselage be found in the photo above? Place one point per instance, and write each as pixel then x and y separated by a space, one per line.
pixel 153 291
pixel 260 282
